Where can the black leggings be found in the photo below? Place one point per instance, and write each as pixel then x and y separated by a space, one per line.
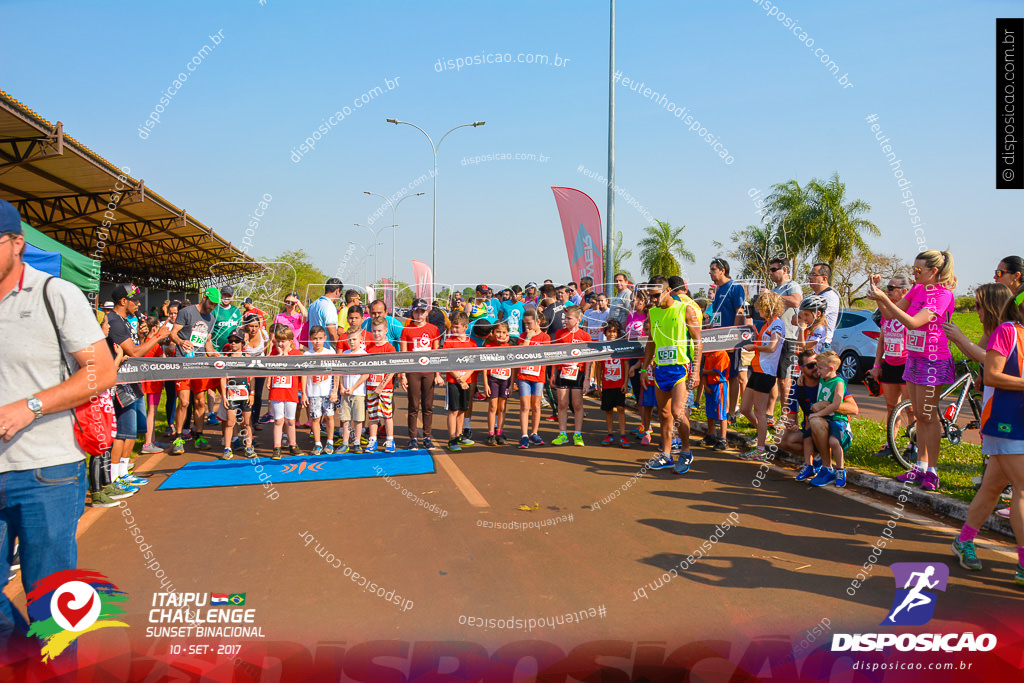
pixel 257 401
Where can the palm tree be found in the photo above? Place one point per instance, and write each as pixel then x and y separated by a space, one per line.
pixel 753 251
pixel 663 249
pixel 790 217
pixel 620 255
pixel 838 223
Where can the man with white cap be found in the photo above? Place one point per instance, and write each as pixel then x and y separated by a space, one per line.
pixel 42 468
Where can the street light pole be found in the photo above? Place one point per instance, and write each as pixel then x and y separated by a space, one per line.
pixel 433 252
pixel 376 234
pixel 394 226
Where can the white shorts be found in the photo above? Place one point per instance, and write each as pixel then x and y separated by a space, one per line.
pixel 320 406
pixel 283 410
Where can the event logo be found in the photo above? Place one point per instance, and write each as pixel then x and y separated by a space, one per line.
pixel 219 364
pixel 424 360
pixel 913 604
pixel 66 604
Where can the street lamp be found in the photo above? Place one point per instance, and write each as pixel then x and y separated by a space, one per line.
pixel 433 251
pixel 394 225
pixel 366 253
pixel 376 234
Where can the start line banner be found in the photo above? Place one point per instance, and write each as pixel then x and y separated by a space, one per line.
pixel 457 360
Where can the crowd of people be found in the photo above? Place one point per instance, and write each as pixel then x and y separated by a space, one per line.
pixel 787 365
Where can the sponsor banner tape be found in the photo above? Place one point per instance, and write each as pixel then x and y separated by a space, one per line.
pixel 483 358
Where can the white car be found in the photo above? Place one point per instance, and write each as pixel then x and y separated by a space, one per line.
pixel 855 340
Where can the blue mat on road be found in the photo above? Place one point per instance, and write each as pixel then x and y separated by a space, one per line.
pixel 244 472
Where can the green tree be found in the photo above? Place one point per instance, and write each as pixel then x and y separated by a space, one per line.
pixel 662 250
pixel 788 216
pixel 289 271
pixel 754 248
pixel 838 223
pixel 620 255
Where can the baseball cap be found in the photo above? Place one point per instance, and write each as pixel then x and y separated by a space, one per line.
pixel 227 290
pixel 108 304
pixel 235 336
pixel 125 291
pixel 531 284
pixel 10 219
pixel 483 289
pixel 213 294
pixel 420 305
pixel 248 300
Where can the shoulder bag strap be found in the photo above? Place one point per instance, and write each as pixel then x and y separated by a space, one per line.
pixel 65 369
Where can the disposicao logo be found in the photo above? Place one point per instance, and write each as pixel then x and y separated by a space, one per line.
pixel 66 604
pixel 914 605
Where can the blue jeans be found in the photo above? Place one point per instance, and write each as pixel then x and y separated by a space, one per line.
pixel 40 508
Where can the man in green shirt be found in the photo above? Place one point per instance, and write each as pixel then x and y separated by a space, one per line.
pixel 672 353
pixel 225 318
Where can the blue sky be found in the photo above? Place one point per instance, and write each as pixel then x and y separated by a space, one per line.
pixel 225 139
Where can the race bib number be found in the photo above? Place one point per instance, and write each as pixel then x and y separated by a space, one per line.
pixel 613 370
pixel 894 348
pixel 667 355
pixel 281 382
pixel 916 340
pixel 530 371
pixel 319 379
pixel 716 319
pixel 501 373
pixel 375 380
pixel 571 372
pixel 237 393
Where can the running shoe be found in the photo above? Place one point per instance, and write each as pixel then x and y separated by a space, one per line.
pixel 753 454
pixel 318 449
pixel 491 441
pixel 535 440
pixel 329 447
pixel 389 446
pixel 428 443
pixel 266 419
pixel 284 439
pixel 910 453
pixel 841 477
pixel 930 482
pixel 413 445
pixel 125 486
pixel 116 492
pixel 479 396
pixel 211 419
pixel 662 462
pixel 186 434
pixel 294 450
pixel 135 481
pixel 884 452
pixel 202 443
pixel 732 419
pixel 237 443
pixel 453 446
pixel 151 448
pixel 178 447
pixel 275 454
pixel 817 463
pixel 677 445
pixel 967 553
pixel 371 446
pixel 806 472
pixel 709 441
pixel 250 452
pixel 825 475
pixel 544 402
pixel 1003 512
pixel 645 440
pixel 912 475
pixel 356 448
pixel 98 499
pixel 467 435
pixel 524 441
pixel 608 440
pixel 624 443
pixel 1019 576
pixel 562 438
pixel 466 441
pixel 168 433
pixel 227 454
pixel 500 438
pixel 364 440
pixel 682 465
pixel 771 421
pixel 636 433
pixel 720 446
pixel 342 449
pixel 577 439
pixel 552 418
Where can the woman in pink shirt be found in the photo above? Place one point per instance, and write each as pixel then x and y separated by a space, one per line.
pixel 891 356
pixel 293 315
pixel 929 365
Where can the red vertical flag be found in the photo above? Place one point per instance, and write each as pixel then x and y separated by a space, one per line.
pixel 389 294
pixel 581 227
pixel 423 279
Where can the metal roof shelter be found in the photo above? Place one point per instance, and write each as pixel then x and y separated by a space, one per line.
pixel 68 192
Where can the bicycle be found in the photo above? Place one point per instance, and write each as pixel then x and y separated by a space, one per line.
pixel 903 442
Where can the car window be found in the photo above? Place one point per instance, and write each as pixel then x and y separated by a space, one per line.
pixel 850 319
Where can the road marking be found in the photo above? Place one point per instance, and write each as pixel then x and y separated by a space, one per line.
pixel 461 481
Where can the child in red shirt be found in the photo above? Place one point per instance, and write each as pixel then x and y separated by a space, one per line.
pixel 496 387
pixel 530 379
pixel 613 392
pixel 380 394
pixel 284 394
pixel 460 384
pixel 569 379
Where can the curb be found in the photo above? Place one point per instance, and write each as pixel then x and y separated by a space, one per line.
pixel 936 502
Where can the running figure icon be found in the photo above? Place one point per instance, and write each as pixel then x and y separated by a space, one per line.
pixel 916 598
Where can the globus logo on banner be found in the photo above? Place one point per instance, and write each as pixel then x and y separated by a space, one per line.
pixel 914 583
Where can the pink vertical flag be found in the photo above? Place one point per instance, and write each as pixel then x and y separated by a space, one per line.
pixel 423 280
pixel 581 227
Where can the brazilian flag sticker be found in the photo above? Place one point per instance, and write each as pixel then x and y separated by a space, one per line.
pixel 1004 427
pixel 237 599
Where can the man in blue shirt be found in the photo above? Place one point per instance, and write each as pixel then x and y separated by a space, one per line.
pixel 727 310
pixel 378 308
pixel 324 312
pixel 511 311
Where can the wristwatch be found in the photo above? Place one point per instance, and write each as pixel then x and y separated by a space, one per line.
pixel 36 406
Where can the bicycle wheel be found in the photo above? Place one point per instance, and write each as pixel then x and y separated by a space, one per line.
pixel 902 440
